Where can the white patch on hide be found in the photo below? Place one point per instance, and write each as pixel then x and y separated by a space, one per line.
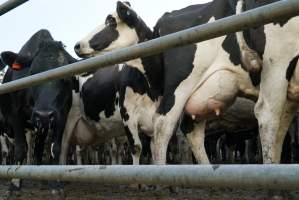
pixel 52 151
pixel 271 109
pixel 140 109
pixel 10 140
pixel 127 37
pixel 4 147
pixel 137 63
pixel 120 67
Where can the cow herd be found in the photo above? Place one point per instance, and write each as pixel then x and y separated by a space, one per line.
pixel 231 97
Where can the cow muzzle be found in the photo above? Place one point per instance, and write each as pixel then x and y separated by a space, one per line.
pixel 43 120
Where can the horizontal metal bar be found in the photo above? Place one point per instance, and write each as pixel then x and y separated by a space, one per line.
pixel 219 176
pixel 251 18
pixel 9 5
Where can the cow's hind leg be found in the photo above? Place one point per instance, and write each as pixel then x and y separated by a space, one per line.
pixel 197 139
pixel 274 113
pixel 166 120
pixel 195 133
pixel 66 138
pixel 4 149
pixel 20 150
pixel 273 131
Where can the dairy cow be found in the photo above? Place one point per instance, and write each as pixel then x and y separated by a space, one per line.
pixel 43 108
pixel 278 100
pixel 138 94
pixel 200 80
pixel 94 117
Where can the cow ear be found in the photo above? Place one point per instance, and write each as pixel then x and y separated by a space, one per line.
pixel 127 3
pixel 126 14
pixel 2 65
pixel 10 58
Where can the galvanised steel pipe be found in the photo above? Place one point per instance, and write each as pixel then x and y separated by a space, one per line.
pixel 251 18
pixel 9 5
pixel 218 176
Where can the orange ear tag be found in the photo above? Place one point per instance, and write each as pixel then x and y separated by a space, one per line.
pixel 16 66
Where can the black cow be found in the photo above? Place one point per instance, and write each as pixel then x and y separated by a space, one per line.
pixel 44 107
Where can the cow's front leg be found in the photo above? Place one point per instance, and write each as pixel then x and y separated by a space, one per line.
pixel 55 148
pixel 29 135
pixel 4 149
pixel 56 186
pixel 39 148
pixel 20 151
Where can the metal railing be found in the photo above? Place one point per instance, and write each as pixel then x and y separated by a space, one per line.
pixel 251 18
pixel 9 5
pixel 217 176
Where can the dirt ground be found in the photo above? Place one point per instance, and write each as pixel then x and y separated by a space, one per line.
pixel 78 191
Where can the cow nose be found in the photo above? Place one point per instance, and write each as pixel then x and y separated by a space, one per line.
pixel 77 47
pixel 43 117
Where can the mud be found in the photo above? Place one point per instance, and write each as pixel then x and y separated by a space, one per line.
pixel 35 190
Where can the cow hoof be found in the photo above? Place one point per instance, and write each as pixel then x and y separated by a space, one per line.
pixel 134 186
pixel 173 189
pixel 141 187
pixel 58 194
pixel 11 195
pixel 277 195
pixel 14 189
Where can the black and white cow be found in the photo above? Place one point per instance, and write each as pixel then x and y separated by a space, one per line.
pixel 201 79
pixel 94 117
pixel 139 88
pixel 277 104
pixel 44 107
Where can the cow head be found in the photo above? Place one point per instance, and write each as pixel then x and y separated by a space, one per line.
pixel 51 100
pixel 2 64
pixel 25 56
pixel 119 30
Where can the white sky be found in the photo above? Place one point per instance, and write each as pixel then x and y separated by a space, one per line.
pixel 70 20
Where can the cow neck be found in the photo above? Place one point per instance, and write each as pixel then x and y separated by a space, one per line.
pixel 223 8
pixel 152 66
